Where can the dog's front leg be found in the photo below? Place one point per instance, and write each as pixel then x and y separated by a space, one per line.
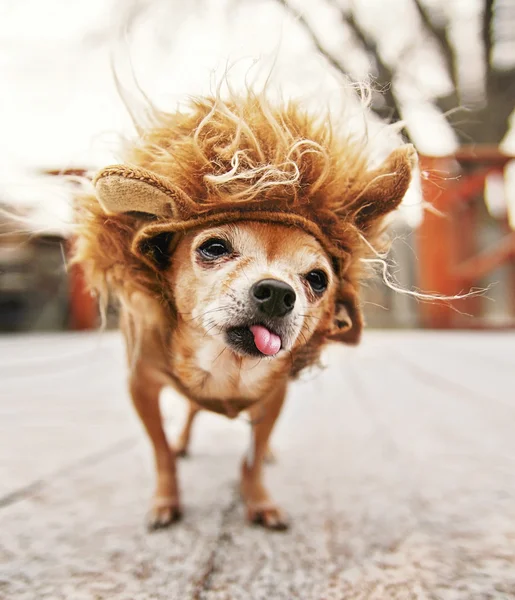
pixel 261 508
pixel 166 506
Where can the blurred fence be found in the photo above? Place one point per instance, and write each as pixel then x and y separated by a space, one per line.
pixel 471 243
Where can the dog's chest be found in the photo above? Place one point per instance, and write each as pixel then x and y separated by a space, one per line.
pixel 212 371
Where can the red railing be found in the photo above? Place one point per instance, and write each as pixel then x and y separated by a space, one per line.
pixel 450 259
pixel 82 306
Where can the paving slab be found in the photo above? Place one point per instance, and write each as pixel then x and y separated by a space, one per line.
pixel 396 465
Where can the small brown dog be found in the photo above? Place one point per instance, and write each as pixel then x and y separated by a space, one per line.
pixel 232 237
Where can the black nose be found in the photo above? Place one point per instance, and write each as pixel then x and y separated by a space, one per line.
pixel 274 298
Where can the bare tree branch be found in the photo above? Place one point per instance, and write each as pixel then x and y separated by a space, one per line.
pixel 299 17
pixel 384 75
pixel 486 124
pixel 487 33
pixel 440 35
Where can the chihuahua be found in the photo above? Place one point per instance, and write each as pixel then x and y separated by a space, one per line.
pixel 232 236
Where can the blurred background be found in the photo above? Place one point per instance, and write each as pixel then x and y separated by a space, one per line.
pixel 446 68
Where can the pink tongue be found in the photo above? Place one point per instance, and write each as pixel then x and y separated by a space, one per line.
pixel 266 342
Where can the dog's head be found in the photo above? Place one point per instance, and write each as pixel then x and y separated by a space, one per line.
pixel 261 287
pixel 253 217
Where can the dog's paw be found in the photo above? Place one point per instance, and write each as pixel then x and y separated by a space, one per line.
pixel 181 452
pixel 181 448
pixel 268 516
pixel 164 512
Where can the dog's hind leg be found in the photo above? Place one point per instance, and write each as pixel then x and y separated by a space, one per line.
pixel 145 396
pixel 184 438
pixel 261 509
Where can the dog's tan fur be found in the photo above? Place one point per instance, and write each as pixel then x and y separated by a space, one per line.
pixel 291 193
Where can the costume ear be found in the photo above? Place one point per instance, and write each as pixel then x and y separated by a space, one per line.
pixel 123 189
pixel 384 187
pixel 347 317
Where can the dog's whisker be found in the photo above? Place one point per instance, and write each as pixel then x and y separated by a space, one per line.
pixel 304 339
pixel 219 355
pixel 212 326
pixel 207 312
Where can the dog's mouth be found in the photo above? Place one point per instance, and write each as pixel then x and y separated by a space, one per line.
pixel 254 340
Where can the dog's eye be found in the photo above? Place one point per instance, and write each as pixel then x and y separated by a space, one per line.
pixel 317 279
pixel 214 248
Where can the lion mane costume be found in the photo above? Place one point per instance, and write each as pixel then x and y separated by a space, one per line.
pixel 245 159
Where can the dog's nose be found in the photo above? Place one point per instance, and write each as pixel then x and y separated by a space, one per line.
pixel 274 298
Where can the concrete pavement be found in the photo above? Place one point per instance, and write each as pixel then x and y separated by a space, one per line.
pixel 396 465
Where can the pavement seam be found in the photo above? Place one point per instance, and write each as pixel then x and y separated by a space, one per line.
pixel 434 379
pixel 92 459
pixel 203 584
